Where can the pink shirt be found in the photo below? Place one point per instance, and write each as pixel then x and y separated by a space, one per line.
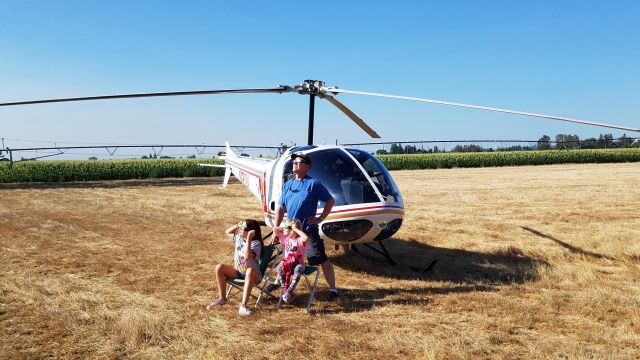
pixel 294 246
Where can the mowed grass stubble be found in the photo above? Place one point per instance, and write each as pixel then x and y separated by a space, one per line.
pixel 519 262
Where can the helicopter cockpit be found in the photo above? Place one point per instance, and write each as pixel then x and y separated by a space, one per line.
pixel 379 175
pixel 344 178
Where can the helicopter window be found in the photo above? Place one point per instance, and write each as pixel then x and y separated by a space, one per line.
pixel 378 174
pixel 340 175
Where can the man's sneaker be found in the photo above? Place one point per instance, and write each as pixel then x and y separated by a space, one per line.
pixel 244 311
pixel 333 295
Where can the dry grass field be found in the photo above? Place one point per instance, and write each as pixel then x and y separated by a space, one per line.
pixel 532 262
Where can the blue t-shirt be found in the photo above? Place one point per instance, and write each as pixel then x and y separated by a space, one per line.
pixel 300 198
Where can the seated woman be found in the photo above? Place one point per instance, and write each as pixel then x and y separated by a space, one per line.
pixel 247 239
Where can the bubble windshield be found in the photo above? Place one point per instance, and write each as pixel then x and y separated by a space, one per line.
pixel 340 175
pixel 379 174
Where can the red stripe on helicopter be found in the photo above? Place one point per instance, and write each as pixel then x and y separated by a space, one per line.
pixel 249 170
pixel 366 208
pixel 390 207
pixel 264 192
pixel 261 182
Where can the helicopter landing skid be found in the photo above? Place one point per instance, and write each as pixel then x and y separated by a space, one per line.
pixel 384 251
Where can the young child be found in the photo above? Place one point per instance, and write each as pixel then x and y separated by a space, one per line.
pixel 245 263
pixel 291 267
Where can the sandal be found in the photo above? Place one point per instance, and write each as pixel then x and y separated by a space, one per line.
pixel 216 303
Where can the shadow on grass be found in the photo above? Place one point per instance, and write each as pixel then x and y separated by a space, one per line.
pixel 463 272
pixel 108 184
pixel 355 300
pixel 571 248
pixel 418 261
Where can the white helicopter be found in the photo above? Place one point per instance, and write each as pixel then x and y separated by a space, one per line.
pixel 369 207
pixel 368 204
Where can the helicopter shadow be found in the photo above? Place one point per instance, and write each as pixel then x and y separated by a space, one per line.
pixel 417 261
pixel 357 300
pixel 458 271
pixel 571 248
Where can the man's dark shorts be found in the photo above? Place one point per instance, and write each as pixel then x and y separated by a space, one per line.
pixel 315 252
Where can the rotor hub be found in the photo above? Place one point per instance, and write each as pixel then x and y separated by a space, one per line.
pixel 311 87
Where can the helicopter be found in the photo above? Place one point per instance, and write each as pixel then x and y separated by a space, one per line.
pixel 368 203
pixel 369 207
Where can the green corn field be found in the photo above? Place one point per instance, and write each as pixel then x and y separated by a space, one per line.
pixel 507 158
pixel 88 170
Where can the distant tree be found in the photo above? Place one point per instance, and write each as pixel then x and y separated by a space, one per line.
pixel 93 158
pixel 567 142
pixel 409 149
pixel 543 143
pixel 624 141
pixel 191 157
pixel 396 149
pixel 244 154
pixel 574 141
pixel 514 148
pixel 561 142
pixel 590 143
pixel 221 153
pixel 467 148
pixel 606 141
pixel 381 152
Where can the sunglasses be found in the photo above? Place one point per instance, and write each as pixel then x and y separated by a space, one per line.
pixel 298 162
pixel 243 228
pixel 287 228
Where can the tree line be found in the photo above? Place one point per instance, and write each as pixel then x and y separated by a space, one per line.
pixel 604 141
pixel 561 142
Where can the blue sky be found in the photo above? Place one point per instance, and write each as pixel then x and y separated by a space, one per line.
pixel 568 58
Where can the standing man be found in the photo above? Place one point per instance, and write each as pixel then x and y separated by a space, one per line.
pixel 299 199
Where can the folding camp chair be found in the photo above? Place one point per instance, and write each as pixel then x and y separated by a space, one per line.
pixel 266 264
pixel 308 271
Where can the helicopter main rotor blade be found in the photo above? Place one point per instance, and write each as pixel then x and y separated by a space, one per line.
pixel 352 116
pixel 279 89
pixel 549 117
